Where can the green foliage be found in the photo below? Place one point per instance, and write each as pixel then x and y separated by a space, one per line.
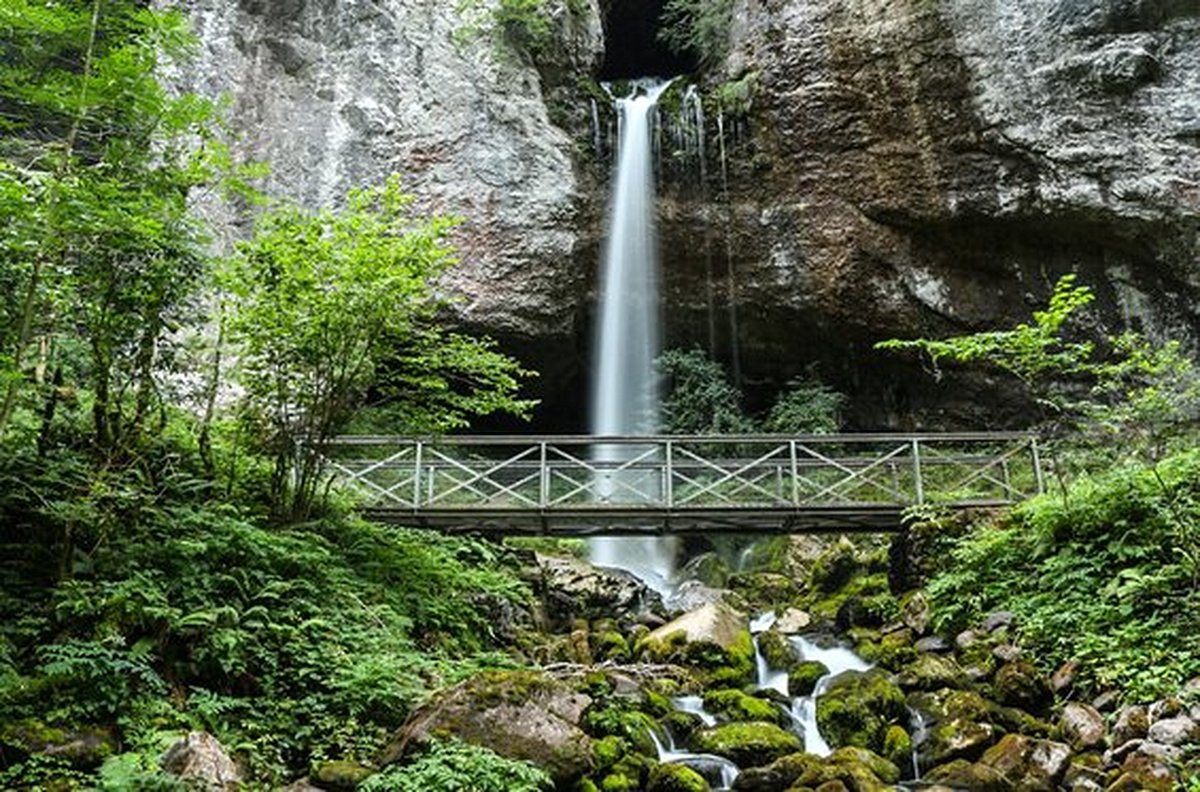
pixel 1107 575
pixel 453 766
pixel 331 304
pixel 807 406
pixel 1128 393
pixel 700 399
pixel 697 27
pixel 101 256
pixel 525 27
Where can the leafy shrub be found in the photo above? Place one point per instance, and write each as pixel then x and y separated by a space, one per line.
pixel 806 406
pixel 697 27
pixel 452 766
pixel 1106 575
pixel 700 399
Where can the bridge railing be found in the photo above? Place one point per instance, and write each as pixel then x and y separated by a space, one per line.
pixel 681 474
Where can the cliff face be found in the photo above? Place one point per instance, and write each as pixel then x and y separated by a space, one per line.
pixel 928 167
pixel 340 93
pixel 905 167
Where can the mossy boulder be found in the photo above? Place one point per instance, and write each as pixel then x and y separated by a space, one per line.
pixel 898 746
pixel 834 568
pixel 1028 763
pixel 779 775
pixel 735 705
pixel 777 650
pixel 340 775
pixel 610 646
pixel 1019 684
pixel 715 624
pixel 84 747
pixel 961 774
pixel 747 744
pixel 882 769
pixel 761 590
pixel 858 707
pixel 529 715
pixel 676 778
pixel 803 677
pixel 930 672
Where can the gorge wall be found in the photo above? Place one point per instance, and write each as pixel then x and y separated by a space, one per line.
pixel 893 168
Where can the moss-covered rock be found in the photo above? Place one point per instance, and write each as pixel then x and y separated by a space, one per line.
pixel 1019 684
pixel 777 650
pixel 675 778
pixel 956 738
pixel 607 751
pixel 85 747
pixel 529 715
pixel 930 672
pixel 779 775
pixel 961 774
pixel 858 708
pixel 882 769
pixel 803 676
pixel 341 775
pixel 734 705
pixel 610 646
pixel 898 746
pixel 1028 763
pixel 892 651
pixel 834 568
pixel 762 590
pixel 748 744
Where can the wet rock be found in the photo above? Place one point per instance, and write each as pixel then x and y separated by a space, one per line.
pixel 528 715
pixel 1179 730
pixel 804 675
pixel 834 568
pixel 675 778
pixel 693 595
pixel 735 705
pixel 1082 726
pixel 1019 684
pixel 883 769
pixel 898 746
pixel 858 707
pixel 777 776
pixel 915 612
pixel 199 759
pixel 957 738
pixel 1028 763
pixel 793 621
pixel 341 775
pixel 777 650
pixel 1132 723
pixel 1085 773
pixel 747 744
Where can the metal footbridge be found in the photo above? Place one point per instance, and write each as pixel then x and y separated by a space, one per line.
pixel 587 485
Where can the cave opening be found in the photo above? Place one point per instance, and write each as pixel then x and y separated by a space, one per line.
pixel 632 48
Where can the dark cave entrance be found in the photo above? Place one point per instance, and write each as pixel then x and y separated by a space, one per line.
pixel 632 48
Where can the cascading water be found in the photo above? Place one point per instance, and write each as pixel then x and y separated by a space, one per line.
pixel 625 398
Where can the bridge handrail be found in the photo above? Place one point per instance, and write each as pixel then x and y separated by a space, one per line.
pixel 723 439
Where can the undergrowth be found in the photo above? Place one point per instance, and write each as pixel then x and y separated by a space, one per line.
pixel 1104 572
pixel 170 610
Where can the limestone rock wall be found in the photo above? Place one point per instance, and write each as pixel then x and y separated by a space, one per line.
pixel 906 167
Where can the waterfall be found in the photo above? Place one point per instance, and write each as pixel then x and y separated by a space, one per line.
pixel 625 398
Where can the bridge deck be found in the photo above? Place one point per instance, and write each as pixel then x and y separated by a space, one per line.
pixel 584 485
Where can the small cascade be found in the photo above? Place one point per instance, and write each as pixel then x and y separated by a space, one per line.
pixel 695 706
pixel 804 708
pixel 719 772
pixel 597 133
pixel 766 677
pixel 918 733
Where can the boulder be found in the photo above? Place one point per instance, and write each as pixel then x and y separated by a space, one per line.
pixel 777 776
pixel 858 707
pixel 1028 763
pixel 933 643
pixel 750 744
pixel 777 650
pixel 1143 773
pixel 1019 684
pixel 930 672
pixel 803 677
pixel 85 747
pixel 793 621
pixel 1133 723
pixel 1082 726
pixel 735 705
pixel 994 621
pixel 200 760
pixel 1179 730
pixel 957 738
pixel 916 613
pixel 1064 678
pixel 529 715
pixel 572 589
pixel 341 775
pixel 715 623
pixel 675 778
pixel 961 774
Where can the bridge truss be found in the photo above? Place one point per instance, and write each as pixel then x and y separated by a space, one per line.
pixel 586 485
